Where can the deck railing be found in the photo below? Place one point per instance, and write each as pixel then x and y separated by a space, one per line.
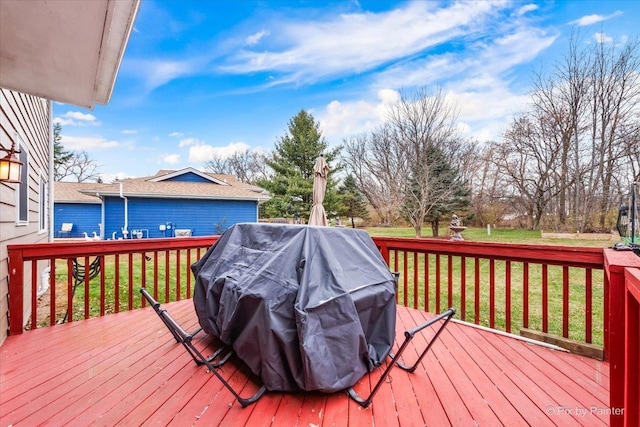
pixel 89 279
pixel 542 291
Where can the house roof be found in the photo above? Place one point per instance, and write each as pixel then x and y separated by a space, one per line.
pixel 64 50
pixel 221 187
pixel 72 192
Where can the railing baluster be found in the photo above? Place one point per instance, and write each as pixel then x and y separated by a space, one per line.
pixel 130 284
pixel 116 283
pixel 426 281
pixel 415 280
pixel 492 293
pixel 103 290
pixel 143 277
pixel 34 294
pixel 87 278
pixel 178 290
pixel 405 278
pixel 565 301
pixel 155 275
pixel 437 283
pixel 463 288
pixel 476 297
pixel 449 281
pixel 545 298
pixel 588 309
pixel 189 273
pixel 52 292
pixel 525 295
pixel 167 289
pixel 507 302
pixel 69 290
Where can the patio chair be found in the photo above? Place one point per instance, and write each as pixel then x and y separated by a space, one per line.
pixel 65 230
pixel 186 339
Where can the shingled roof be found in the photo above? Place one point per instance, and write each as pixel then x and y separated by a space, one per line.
pixel 221 187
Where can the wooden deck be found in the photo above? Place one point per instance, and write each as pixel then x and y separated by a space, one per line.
pixel 126 369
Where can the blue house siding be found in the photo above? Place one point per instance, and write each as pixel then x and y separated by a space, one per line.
pixel 203 217
pixel 85 218
pixel 189 177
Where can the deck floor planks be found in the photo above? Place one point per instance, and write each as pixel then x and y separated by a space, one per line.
pixel 42 394
pixel 336 411
pixel 573 394
pixel 150 379
pixel 544 393
pixel 480 381
pixel 426 393
pixel 454 406
pixel 448 352
pixel 518 400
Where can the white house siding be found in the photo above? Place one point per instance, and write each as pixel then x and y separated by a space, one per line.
pixel 29 117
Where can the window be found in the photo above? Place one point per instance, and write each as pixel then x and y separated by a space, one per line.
pixel 22 202
pixel 44 204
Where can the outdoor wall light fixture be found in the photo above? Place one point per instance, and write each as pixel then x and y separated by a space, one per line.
pixel 10 165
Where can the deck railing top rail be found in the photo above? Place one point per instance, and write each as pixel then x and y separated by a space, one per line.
pixel 576 256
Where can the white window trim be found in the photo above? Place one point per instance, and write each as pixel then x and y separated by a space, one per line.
pixel 22 146
pixel 43 204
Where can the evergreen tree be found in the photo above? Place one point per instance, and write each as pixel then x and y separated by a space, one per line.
pixel 60 156
pixel 292 161
pixel 353 200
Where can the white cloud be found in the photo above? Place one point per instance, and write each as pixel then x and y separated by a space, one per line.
pixel 176 134
pixel 189 141
pixel 602 38
pixel 594 19
pixel 158 72
pixel 129 131
pixel 76 118
pixel 171 159
pixel 109 178
pixel 526 9
pixel 255 38
pixel 204 152
pixel 87 143
pixel 342 119
pixel 351 43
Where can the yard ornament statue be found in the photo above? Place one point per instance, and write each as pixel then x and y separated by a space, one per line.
pixel 456 228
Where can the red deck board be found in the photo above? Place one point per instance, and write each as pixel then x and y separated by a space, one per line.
pixel 126 369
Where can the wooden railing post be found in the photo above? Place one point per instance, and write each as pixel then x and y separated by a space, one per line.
pixel 614 327
pixel 16 291
pixel 632 355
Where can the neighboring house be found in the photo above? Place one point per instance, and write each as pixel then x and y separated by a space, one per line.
pixel 189 201
pixel 45 56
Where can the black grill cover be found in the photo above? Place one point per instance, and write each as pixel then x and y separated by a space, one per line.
pixel 306 308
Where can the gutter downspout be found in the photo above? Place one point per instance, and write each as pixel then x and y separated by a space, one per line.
pixel 45 280
pixel 125 232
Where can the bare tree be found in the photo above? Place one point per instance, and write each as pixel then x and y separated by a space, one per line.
pixel 406 166
pixel 379 166
pixel 246 165
pixel 79 167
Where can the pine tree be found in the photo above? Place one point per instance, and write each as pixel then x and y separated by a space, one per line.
pixel 292 161
pixel 353 200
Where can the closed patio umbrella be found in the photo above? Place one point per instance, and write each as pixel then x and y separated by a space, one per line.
pixel 318 215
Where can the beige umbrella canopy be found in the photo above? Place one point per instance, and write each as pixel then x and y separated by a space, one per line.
pixel 318 215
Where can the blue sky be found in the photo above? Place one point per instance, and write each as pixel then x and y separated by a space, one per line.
pixel 203 77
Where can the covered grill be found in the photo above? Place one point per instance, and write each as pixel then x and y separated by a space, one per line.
pixel 306 308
